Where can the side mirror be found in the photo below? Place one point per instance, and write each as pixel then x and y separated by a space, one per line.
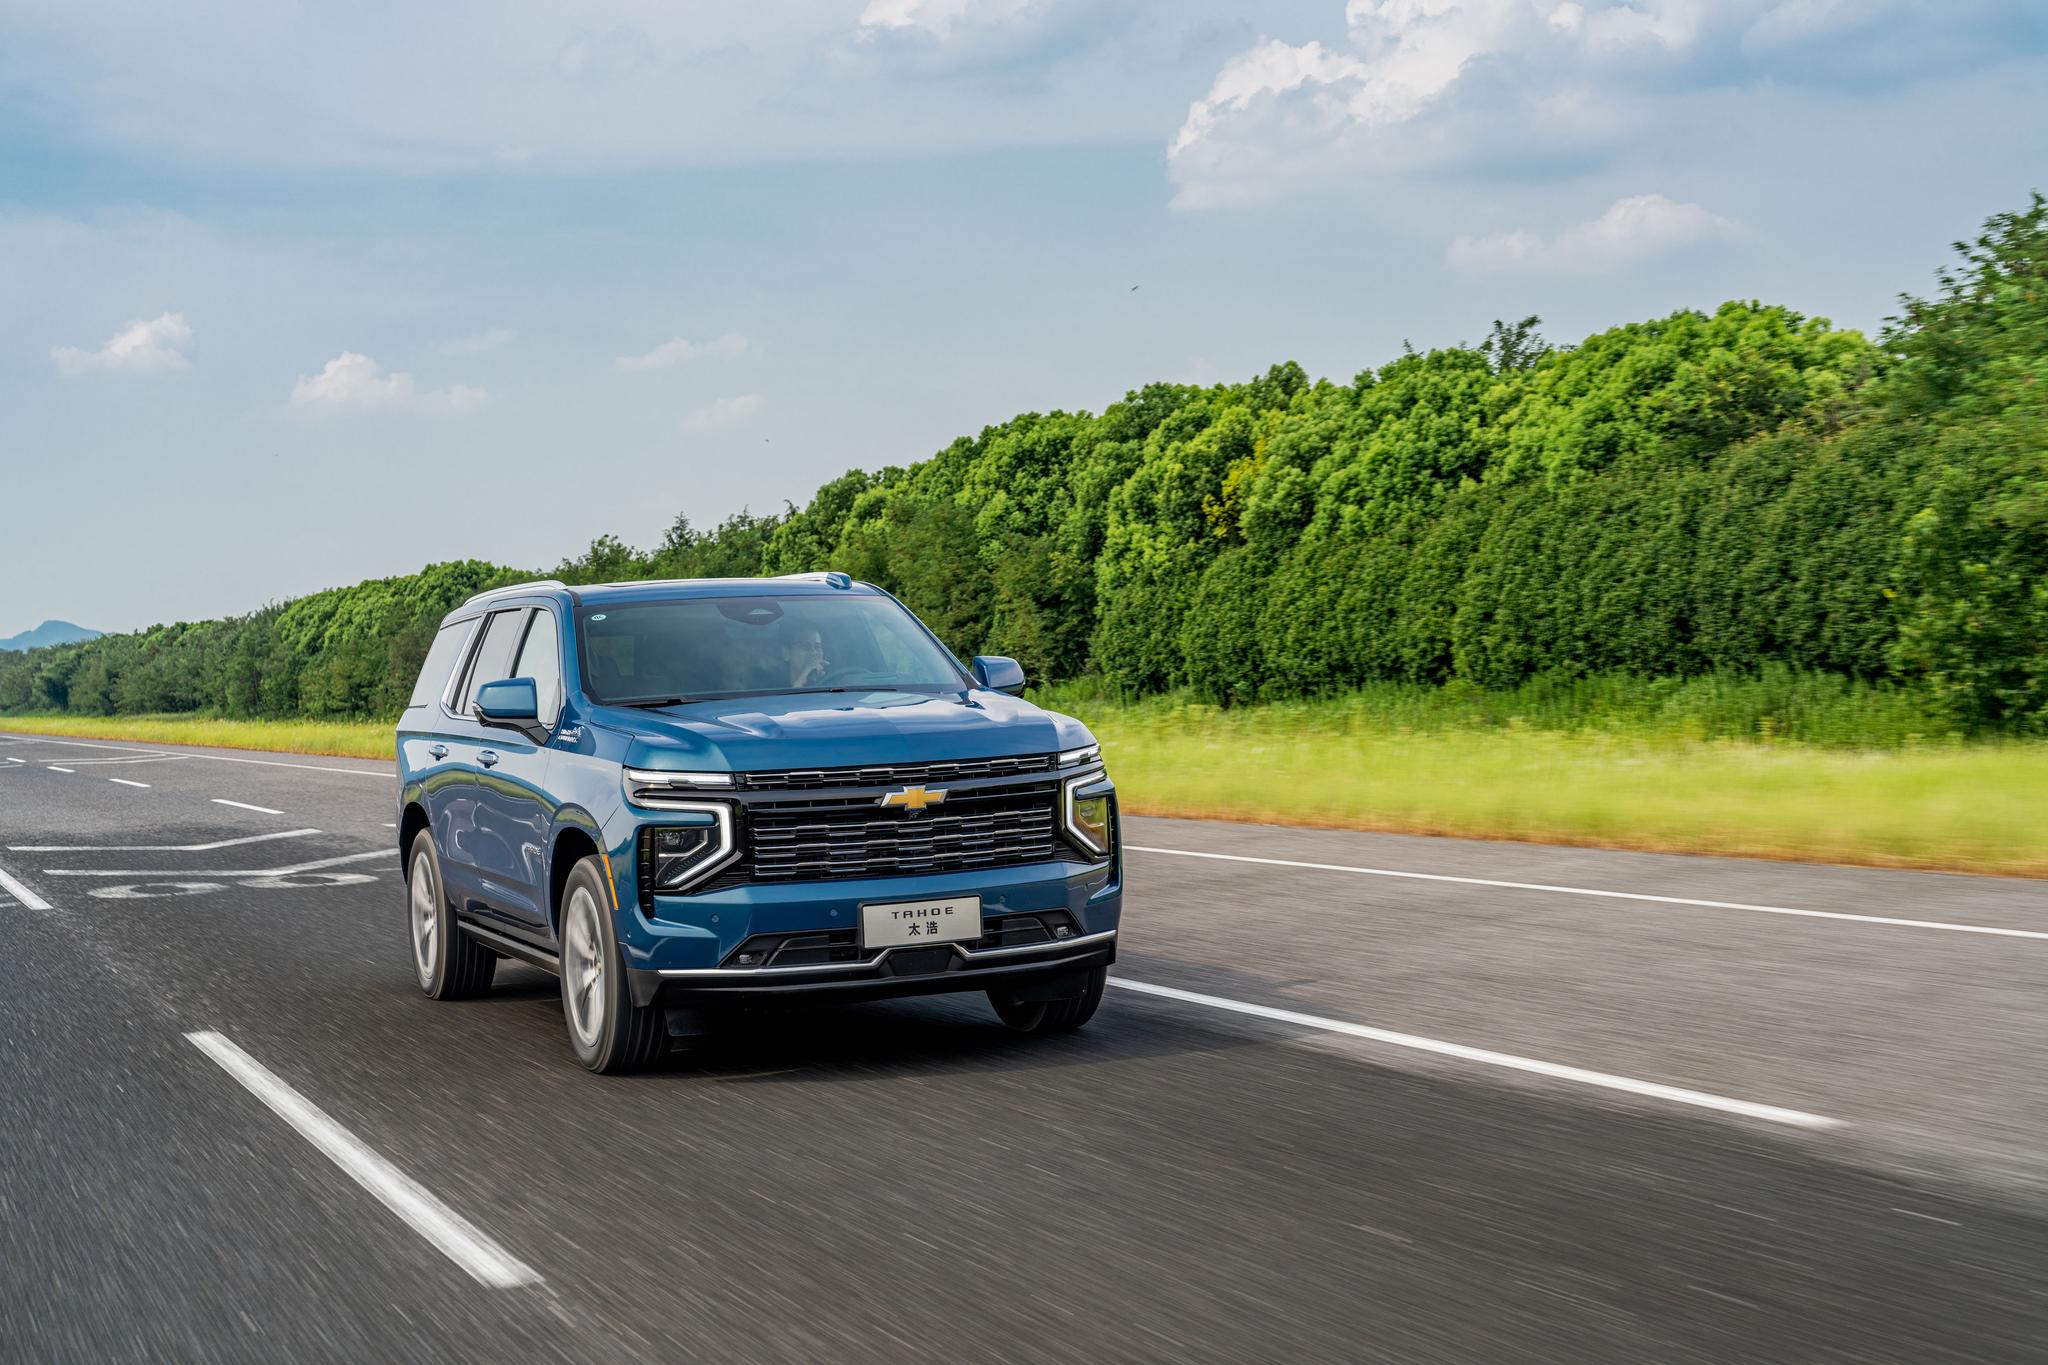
pixel 509 701
pixel 998 674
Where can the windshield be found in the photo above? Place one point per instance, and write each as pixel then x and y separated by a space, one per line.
pixel 703 647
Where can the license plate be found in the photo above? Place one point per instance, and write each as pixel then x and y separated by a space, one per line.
pixel 892 924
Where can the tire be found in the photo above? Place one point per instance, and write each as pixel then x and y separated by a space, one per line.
pixel 448 964
pixel 1051 1016
pixel 607 1031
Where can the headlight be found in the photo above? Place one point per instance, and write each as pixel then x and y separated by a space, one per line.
pixel 1090 810
pixel 667 790
pixel 676 857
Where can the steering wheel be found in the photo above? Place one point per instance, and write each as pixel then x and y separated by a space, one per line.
pixel 844 675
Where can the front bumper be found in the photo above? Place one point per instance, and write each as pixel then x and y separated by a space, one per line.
pixel 892 972
pixel 698 929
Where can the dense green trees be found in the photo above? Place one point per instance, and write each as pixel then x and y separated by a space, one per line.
pixel 1705 492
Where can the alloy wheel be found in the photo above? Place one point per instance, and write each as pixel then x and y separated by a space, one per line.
pixel 583 967
pixel 426 923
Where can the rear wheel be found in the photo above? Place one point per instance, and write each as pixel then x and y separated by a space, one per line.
pixel 448 964
pixel 1051 1016
pixel 607 1031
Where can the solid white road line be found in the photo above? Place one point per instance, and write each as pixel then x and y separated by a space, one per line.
pixel 55 769
pixel 20 892
pixel 159 848
pixel 1770 1113
pixel 313 866
pixel 125 759
pixel 217 758
pixel 126 783
pixel 453 1235
pixel 1609 895
pixel 307 767
pixel 244 805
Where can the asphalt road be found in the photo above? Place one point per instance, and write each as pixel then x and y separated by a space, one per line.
pixel 1374 1099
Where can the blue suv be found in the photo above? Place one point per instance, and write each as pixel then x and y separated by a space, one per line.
pixel 682 795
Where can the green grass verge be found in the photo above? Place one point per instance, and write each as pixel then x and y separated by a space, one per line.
pixel 340 738
pixel 1707 775
pixel 1422 762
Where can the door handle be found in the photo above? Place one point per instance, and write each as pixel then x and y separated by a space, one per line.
pixel 489 758
pixel 438 750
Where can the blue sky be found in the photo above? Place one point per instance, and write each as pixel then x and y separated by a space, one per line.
pixel 290 297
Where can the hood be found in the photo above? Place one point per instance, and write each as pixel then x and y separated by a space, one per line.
pixel 840 729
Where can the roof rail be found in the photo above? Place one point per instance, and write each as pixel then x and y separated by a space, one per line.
pixel 517 587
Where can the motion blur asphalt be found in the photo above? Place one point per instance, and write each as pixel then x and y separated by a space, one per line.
pixel 908 1181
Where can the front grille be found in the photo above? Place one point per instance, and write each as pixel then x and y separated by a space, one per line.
pixel 827 842
pixel 899 774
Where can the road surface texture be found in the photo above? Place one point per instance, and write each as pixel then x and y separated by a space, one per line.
pixel 1370 1099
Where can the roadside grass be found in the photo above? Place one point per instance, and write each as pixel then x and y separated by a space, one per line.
pixel 1787 768
pixel 1416 761
pixel 339 738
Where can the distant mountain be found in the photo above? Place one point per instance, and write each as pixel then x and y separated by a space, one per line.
pixel 49 633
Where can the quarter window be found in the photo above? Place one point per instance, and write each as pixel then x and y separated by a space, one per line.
pixel 441 657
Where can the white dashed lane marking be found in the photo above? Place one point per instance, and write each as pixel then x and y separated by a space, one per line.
pixel 244 805
pixel 451 1234
pixel 16 889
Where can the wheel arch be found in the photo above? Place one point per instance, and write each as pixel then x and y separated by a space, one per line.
pixel 574 841
pixel 410 823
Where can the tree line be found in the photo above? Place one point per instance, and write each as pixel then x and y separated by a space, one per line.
pixel 1727 491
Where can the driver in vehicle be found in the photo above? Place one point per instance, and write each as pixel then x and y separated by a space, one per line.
pixel 804 653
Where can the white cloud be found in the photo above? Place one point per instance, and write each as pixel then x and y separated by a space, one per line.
pixel 725 412
pixel 139 348
pixel 939 18
pixel 1436 85
pixel 545 88
pixel 677 350
pixel 478 342
pixel 1280 116
pixel 352 383
pixel 606 85
pixel 1631 230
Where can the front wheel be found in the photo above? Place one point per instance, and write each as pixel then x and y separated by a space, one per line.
pixel 607 1031
pixel 1051 1016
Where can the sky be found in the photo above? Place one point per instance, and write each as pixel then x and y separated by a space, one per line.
pixel 292 296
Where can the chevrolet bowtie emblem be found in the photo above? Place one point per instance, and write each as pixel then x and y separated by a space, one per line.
pixel 913 798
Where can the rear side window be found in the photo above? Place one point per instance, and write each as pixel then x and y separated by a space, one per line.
pixel 494 655
pixel 441 657
pixel 541 660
